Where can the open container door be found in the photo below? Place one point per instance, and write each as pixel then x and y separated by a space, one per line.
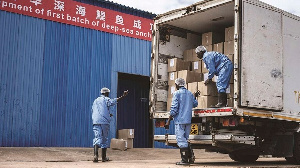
pixel 261 56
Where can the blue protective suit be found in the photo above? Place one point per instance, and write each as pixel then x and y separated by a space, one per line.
pixel 219 65
pixel 100 109
pixel 181 110
pixel 101 119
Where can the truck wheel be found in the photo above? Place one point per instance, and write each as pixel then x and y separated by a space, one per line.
pixel 243 158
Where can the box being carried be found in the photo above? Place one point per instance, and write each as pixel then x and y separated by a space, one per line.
pixel 208 90
pixel 190 76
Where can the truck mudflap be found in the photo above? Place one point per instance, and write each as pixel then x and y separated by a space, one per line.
pixel 207 139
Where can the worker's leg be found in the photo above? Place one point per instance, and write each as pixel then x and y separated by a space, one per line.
pixel 104 141
pixel 223 83
pixel 190 153
pixel 182 137
pixel 96 141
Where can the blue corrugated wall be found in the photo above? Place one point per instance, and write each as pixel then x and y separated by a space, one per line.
pixel 50 75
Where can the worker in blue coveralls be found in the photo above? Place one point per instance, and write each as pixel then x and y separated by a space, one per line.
pixel 101 117
pixel 219 65
pixel 181 111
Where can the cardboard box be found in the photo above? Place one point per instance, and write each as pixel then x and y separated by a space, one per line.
pixel 230 102
pixel 176 64
pixel 126 133
pixel 207 101
pixel 229 47
pixel 229 33
pixel 231 78
pixel 219 47
pixel 129 143
pixel 171 90
pixel 193 87
pixel 172 78
pixel 230 56
pixel 197 66
pixel 209 47
pixel 190 55
pixel 119 144
pixel 230 91
pixel 169 104
pixel 187 55
pixel 190 76
pixel 208 90
pixel 215 78
pixel 204 69
pixel 210 38
pixel 205 77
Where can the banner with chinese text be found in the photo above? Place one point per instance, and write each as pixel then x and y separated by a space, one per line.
pixel 83 15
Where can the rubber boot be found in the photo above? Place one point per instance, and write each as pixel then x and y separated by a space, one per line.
pixel 104 158
pixel 222 100
pixel 95 153
pixel 191 155
pixel 184 152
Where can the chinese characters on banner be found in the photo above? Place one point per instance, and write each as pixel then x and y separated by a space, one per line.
pixel 83 15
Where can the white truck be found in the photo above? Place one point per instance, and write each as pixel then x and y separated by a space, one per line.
pixel 264 119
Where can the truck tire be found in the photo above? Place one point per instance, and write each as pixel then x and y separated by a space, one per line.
pixel 243 158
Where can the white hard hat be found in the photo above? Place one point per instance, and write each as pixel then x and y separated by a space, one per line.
pixel 200 48
pixel 180 82
pixel 105 90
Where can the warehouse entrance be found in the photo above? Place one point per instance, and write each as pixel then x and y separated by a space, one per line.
pixel 133 111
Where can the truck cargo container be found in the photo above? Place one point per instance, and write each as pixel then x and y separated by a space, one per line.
pixel 263 118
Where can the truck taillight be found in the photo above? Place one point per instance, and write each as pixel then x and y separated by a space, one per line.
pixel 160 123
pixel 229 122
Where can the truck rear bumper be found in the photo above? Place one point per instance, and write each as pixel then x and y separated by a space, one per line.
pixel 207 139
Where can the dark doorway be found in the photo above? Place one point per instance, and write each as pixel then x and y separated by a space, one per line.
pixel 133 111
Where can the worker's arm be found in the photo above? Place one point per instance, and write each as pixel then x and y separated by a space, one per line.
pixel 210 65
pixel 125 93
pixel 168 122
pixel 173 110
pixel 195 102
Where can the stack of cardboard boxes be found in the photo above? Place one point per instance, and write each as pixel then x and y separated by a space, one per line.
pixel 124 141
pixel 178 68
pixel 194 71
pixel 229 51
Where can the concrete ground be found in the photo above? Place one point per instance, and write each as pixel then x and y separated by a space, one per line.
pixel 133 158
